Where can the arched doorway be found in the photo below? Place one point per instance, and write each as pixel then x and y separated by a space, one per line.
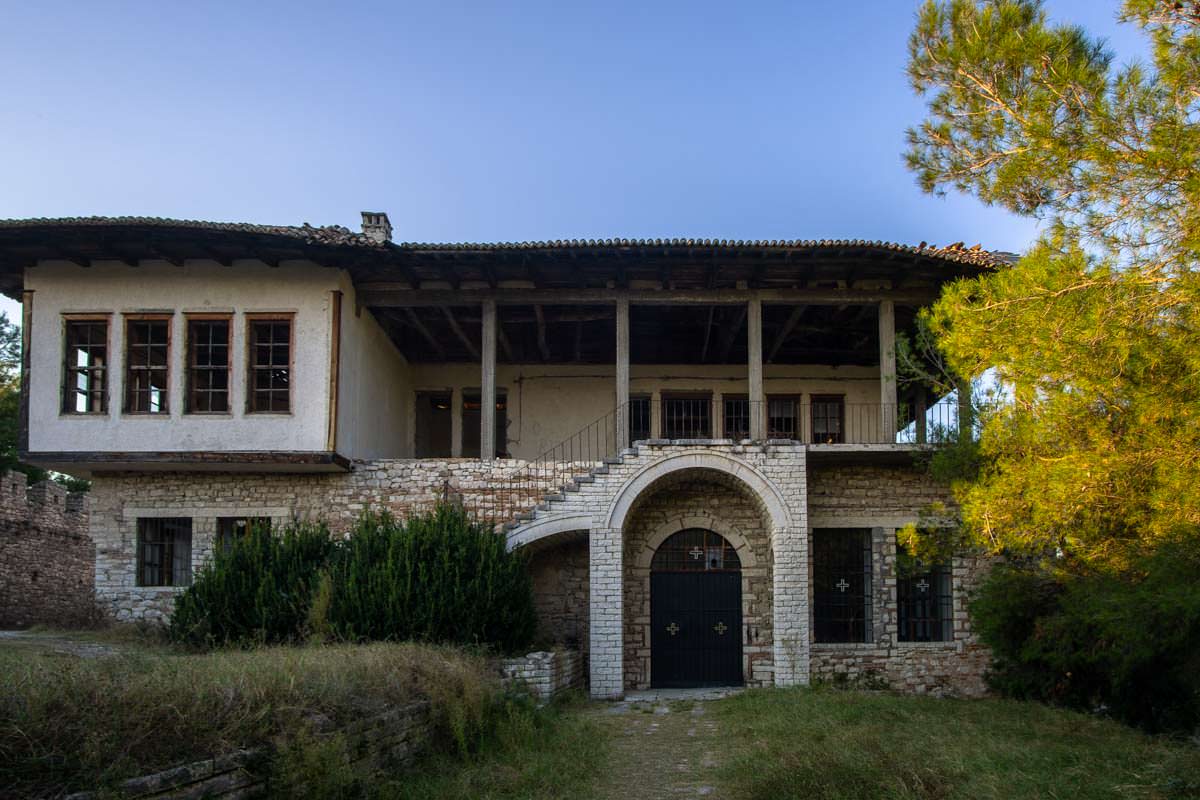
pixel 695 611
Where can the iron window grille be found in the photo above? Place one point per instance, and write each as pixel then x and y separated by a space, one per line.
pixel 842 583
pixel 828 419
pixel 695 550
pixel 85 367
pixel 783 418
pixel 687 417
pixel 147 351
pixel 208 366
pixel 164 551
pixel 925 597
pixel 736 418
pixel 270 377
pixel 639 418
pixel 230 529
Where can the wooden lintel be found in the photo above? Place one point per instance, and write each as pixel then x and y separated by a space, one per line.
pixel 400 295
pixel 460 333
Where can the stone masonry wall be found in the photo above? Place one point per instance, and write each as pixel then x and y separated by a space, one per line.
pixel 560 593
pixel 46 557
pixel 546 673
pixel 879 497
pixel 714 502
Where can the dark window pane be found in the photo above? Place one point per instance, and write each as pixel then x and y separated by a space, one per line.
pixel 85 367
pixel 737 418
pixel 230 529
pixel 639 418
pixel 687 417
pixel 925 599
pixel 695 550
pixel 208 365
pixel 783 414
pixel 146 352
pixel 828 418
pixel 164 551
pixel 270 366
pixel 842 585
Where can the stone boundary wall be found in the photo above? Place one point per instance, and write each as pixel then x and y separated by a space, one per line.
pixel 546 672
pixel 391 739
pixel 47 560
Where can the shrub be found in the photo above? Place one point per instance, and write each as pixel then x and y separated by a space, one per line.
pixel 1126 642
pixel 258 590
pixel 437 577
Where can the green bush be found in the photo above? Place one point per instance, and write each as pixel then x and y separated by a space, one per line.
pixel 259 590
pixel 1124 642
pixel 437 577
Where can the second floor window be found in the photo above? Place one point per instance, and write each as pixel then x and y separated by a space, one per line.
pixel 828 419
pixel 783 418
pixel 147 346
pixel 208 366
pixel 85 367
pixel 639 419
pixel 687 417
pixel 270 378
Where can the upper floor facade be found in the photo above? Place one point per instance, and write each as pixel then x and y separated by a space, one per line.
pixel 157 344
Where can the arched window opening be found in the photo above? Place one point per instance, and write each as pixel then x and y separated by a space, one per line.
pixel 695 550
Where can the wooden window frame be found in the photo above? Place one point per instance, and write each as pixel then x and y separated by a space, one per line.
pixel 253 318
pixel 797 420
pixel 827 398
pixel 166 565
pixel 151 316
pixel 734 397
pixel 227 530
pixel 639 398
pixel 685 396
pixel 105 371
pixel 188 367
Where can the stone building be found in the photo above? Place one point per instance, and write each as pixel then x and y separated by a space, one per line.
pixel 703 445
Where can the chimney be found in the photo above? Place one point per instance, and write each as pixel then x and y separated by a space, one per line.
pixel 377 226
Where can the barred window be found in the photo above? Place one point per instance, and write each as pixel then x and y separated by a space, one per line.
pixel 696 550
pixel 85 367
pixel 783 418
pixel 164 551
pixel 270 379
pixel 842 585
pixel 639 418
pixel 208 366
pixel 925 599
pixel 147 352
pixel 230 529
pixel 736 417
pixel 687 417
pixel 828 419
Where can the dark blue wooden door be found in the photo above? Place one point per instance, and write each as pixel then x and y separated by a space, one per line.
pixel 696 629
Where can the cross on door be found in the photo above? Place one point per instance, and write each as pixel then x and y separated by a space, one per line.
pixel 923 584
pixel 841 585
pixel 695 553
pixel 720 628
pixel 672 629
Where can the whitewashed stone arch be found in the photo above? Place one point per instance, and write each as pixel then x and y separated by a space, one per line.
pixel 545 528
pixel 762 487
pixel 731 533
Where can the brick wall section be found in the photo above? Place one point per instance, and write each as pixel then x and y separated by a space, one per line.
pixel 864 496
pixel 46 556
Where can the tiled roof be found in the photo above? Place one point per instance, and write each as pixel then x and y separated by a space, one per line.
pixel 325 234
pixel 337 235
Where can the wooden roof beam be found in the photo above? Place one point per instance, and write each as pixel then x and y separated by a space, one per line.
pixel 732 332
pixel 786 331
pixel 712 310
pixel 389 294
pixel 460 333
pixel 434 344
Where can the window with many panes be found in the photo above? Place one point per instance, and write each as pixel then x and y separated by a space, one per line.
pixel 164 546
pixel 687 416
pixel 735 417
pixel 269 382
pixel 147 355
pixel 925 598
pixel 842 584
pixel 828 419
pixel 85 366
pixel 208 365
pixel 230 529
pixel 783 418
pixel 639 418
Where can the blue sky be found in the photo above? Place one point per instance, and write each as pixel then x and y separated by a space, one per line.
pixel 484 121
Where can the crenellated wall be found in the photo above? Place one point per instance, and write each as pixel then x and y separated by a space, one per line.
pixel 46 556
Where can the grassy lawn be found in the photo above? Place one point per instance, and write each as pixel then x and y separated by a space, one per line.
pixel 825 744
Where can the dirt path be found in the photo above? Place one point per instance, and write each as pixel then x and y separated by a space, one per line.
pixel 660 749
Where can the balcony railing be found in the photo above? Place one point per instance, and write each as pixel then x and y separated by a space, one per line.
pixel 511 490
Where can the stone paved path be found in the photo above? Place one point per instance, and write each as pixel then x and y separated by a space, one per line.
pixel 54 644
pixel 660 748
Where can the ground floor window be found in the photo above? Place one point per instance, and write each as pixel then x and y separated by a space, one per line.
pixel 925 600
pixel 164 551
pixel 842 585
pixel 230 529
pixel 687 416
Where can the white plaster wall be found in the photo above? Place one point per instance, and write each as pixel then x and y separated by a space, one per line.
pixel 247 286
pixel 375 396
pixel 548 403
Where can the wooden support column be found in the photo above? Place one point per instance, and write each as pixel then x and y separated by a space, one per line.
pixel 920 411
pixel 888 402
pixel 966 410
pixel 487 394
pixel 622 426
pixel 758 415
